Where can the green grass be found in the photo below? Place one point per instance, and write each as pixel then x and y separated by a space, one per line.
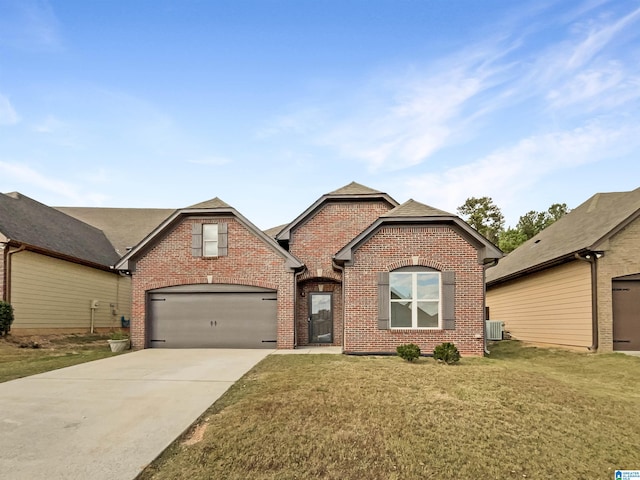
pixel 53 352
pixel 522 413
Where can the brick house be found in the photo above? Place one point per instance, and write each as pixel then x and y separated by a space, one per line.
pixel 576 283
pixel 355 270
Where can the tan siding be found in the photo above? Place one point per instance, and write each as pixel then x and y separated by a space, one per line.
pixel 553 306
pixel 50 293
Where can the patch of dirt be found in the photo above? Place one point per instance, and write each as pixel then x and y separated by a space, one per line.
pixel 196 435
pixel 52 341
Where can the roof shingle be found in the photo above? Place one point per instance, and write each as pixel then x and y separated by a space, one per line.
pixel 584 228
pixel 124 227
pixel 355 189
pixel 25 220
pixel 213 203
pixel 411 208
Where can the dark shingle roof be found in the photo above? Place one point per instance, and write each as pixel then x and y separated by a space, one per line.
pixel 24 220
pixel 411 208
pixel 124 227
pixel 273 231
pixel 213 203
pixel 354 189
pixel 584 228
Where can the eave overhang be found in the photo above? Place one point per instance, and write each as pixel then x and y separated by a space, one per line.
pixel 54 254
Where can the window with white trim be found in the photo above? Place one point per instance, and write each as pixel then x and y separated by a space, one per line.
pixel 210 240
pixel 415 299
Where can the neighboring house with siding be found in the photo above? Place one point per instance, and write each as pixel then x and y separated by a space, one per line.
pixel 576 283
pixel 354 270
pixel 53 266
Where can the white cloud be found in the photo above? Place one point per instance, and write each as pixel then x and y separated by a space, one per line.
pixel 18 173
pixel 507 173
pixel 549 69
pixel 597 39
pixel 8 115
pixel 399 120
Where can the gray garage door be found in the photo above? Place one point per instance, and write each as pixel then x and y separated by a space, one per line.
pixel 212 316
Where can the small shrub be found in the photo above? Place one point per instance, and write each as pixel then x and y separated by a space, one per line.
pixel 118 335
pixel 409 352
pixel 6 318
pixel 446 352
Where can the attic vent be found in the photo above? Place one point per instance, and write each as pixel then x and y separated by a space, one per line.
pixel 537 241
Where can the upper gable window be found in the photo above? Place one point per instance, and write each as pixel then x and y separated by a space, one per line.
pixel 415 299
pixel 210 240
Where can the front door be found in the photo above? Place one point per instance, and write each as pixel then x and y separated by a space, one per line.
pixel 320 318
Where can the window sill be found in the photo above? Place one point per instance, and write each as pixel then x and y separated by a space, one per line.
pixel 417 329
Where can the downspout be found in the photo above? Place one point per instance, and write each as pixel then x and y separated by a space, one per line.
pixel 343 290
pixel 7 284
pixel 296 275
pixel 591 258
pixel 492 263
pixel 5 258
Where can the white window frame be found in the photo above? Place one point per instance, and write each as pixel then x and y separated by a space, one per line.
pixel 209 231
pixel 414 300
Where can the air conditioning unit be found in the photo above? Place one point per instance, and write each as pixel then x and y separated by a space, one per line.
pixel 494 329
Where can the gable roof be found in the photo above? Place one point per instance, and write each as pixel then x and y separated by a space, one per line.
pixel 415 213
pixel 411 208
pixel 213 203
pixel 124 227
pixel 584 229
pixel 354 188
pixel 128 261
pixel 29 222
pixel 352 191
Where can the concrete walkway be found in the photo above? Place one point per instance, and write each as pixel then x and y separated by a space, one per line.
pixel 108 419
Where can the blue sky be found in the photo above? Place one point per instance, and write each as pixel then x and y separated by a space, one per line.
pixel 269 104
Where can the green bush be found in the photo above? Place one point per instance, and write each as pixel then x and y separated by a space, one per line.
pixel 6 318
pixel 118 335
pixel 409 352
pixel 446 352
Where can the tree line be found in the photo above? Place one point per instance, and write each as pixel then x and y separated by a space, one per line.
pixel 486 217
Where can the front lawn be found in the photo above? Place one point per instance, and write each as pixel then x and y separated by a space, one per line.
pixel 24 356
pixel 523 413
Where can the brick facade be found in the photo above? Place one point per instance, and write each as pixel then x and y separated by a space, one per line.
pixel 620 258
pixel 302 308
pixel 315 242
pixel 250 261
pixel 441 248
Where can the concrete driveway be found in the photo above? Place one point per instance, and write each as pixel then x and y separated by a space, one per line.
pixel 108 419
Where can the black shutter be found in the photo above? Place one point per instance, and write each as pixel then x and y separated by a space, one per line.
pixel 196 240
pixel 449 300
pixel 383 300
pixel 222 240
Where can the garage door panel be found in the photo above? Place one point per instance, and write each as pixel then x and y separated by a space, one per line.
pixel 213 320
